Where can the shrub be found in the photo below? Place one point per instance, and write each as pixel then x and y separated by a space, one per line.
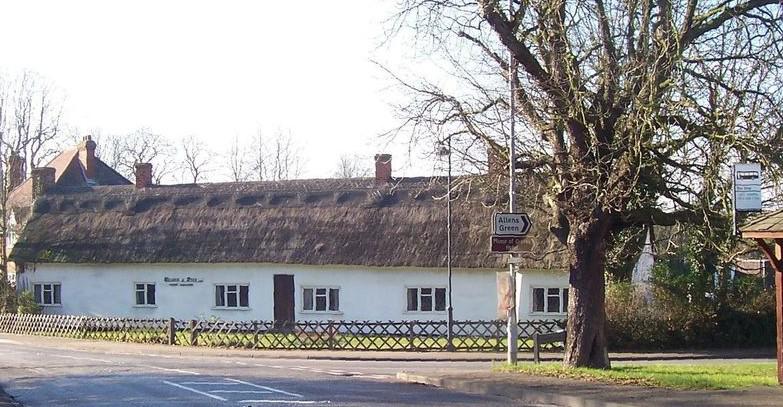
pixel 677 314
pixel 25 303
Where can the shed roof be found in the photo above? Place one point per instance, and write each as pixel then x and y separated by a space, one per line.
pixel 317 222
pixel 766 226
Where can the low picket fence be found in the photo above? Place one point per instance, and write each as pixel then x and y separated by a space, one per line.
pixel 486 336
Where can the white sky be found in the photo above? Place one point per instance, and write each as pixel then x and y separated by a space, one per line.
pixel 218 70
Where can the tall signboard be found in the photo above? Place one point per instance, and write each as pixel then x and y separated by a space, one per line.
pixel 747 187
pixel 509 232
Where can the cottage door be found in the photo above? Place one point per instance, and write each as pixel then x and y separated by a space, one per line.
pixel 284 298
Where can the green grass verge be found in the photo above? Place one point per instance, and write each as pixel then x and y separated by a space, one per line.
pixel 677 376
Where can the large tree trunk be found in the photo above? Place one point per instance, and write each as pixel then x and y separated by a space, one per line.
pixel 586 344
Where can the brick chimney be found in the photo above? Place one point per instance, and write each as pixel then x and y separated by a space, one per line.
pixel 143 175
pixel 43 179
pixel 16 170
pixel 87 157
pixel 383 172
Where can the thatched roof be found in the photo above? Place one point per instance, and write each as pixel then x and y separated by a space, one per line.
pixel 345 222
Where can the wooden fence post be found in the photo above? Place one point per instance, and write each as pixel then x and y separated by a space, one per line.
pixel 411 335
pixel 172 331
pixel 193 333
pixel 330 336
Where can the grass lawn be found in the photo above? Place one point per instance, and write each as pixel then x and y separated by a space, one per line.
pixel 678 376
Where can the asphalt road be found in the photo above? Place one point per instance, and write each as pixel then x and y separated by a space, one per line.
pixel 39 375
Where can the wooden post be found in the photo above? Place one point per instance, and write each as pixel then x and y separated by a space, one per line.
pixel 172 331
pixel 193 333
pixel 779 307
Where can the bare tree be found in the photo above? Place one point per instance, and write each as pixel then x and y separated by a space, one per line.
pixel 630 113
pixel 144 146
pixel 259 157
pixel 238 164
pixel 195 159
pixel 351 167
pixel 275 160
pixel 284 158
pixel 30 131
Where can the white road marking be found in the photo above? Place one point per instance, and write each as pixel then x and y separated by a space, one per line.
pixel 286 401
pixel 213 383
pixel 87 359
pixel 266 388
pixel 241 363
pixel 10 341
pixel 194 390
pixel 171 370
pixel 242 391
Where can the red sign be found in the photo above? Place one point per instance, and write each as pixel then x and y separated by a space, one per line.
pixel 508 244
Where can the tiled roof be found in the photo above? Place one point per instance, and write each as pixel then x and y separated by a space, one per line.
pixel 768 225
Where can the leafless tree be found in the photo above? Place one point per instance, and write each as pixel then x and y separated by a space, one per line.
pixel 630 113
pixel 275 160
pixel 238 164
pixel 142 146
pixel 259 157
pixel 30 131
pixel 351 167
pixel 195 159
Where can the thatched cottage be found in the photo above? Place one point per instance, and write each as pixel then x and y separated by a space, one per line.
pixel 353 249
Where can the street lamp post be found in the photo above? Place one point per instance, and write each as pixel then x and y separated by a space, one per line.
pixel 449 309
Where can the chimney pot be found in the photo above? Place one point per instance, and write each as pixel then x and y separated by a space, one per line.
pixel 43 180
pixel 143 175
pixel 87 157
pixel 383 169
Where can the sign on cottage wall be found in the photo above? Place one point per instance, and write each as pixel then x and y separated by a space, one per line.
pixel 182 281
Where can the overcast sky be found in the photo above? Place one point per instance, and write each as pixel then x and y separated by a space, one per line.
pixel 218 70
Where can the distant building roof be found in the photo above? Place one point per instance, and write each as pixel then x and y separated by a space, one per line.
pixel 317 222
pixel 69 171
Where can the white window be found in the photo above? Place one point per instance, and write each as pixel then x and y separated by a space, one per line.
pixel 145 294
pixel 550 300
pixel 426 299
pixel 47 293
pixel 321 299
pixel 232 295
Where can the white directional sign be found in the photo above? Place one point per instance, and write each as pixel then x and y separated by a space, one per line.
pixel 747 187
pixel 511 224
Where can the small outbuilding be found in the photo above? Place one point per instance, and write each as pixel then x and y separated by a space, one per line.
pixel 767 231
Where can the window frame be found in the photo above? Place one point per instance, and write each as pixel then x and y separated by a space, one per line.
pixel 314 301
pixel 434 289
pixel 225 305
pixel 146 294
pixel 52 283
pixel 563 301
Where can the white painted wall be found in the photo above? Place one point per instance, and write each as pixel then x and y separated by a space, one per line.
pixel 529 279
pixel 366 293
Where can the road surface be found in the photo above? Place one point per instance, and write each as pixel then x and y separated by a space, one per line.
pixel 42 375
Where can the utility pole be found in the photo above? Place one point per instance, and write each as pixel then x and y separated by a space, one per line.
pixel 511 327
